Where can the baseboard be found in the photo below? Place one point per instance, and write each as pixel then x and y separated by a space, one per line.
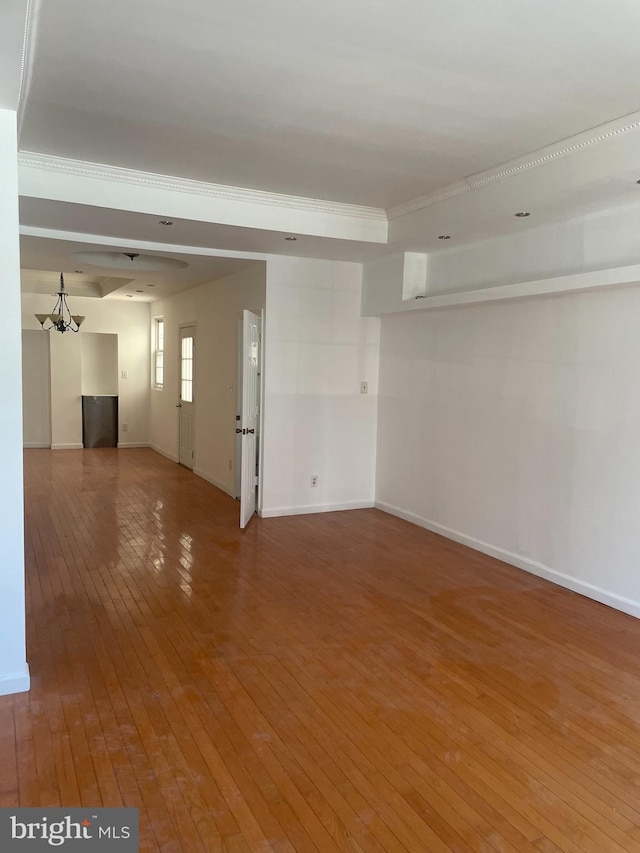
pixel 18 682
pixel 67 446
pixel 619 602
pixel 200 473
pixel 311 508
pixel 123 444
pixel 36 445
pixel 163 452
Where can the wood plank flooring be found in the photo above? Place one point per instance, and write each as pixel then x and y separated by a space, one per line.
pixel 338 682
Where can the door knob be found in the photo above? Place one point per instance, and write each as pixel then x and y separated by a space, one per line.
pixel 178 405
pixel 251 430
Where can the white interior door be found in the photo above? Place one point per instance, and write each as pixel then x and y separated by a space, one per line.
pixel 249 415
pixel 186 399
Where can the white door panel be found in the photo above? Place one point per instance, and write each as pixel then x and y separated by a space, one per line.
pixel 249 417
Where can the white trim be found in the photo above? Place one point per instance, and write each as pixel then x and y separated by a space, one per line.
pixel 223 488
pixel 125 444
pixel 229 194
pixel 36 445
pixel 564 148
pixel 162 452
pixel 263 397
pixel 574 283
pixel 81 168
pixel 612 599
pixel 67 446
pixel 311 508
pixel 156 350
pixel 18 682
pixel 29 45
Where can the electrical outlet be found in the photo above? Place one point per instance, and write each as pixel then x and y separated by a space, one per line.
pixel 230 465
pixel 124 374
pixel 125 427
pixel 313 482
pixel 231 387
pixel 364 387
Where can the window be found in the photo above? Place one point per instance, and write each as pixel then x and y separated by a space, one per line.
pixel 186 371
pixel 158 352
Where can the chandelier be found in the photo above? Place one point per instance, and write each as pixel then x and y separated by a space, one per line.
pixel 61 319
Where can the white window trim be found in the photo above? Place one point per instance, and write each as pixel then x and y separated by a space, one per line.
pixel 157 386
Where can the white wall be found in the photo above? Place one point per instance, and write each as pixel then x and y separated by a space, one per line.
pixel 215 307
pixel 36 379
pixel 66 402
pixel 514 427
pixel 14 672
pixel 130 322
pixel 99 364
pixel 318 350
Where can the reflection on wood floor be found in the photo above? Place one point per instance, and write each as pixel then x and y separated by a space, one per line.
pixel 337 682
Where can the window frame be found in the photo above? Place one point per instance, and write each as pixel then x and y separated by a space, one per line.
pixel 158 353
pixel 187 382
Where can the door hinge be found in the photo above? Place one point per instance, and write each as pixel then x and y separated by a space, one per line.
pixel 256 482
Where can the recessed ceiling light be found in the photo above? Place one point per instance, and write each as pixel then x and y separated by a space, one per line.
pixel 444 237
pixel 139 291
pixel 129 295
pixel 291 239
pixel 523 213
pixel 166 222
pixel 79 271
pixel 151 285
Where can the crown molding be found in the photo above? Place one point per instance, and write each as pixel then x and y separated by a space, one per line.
pixel 27 59
pixel 81 168
pixel 564 148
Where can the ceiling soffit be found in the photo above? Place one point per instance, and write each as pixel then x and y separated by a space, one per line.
pixel 480 207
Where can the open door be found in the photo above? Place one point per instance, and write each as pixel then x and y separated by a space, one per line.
pixel 249 415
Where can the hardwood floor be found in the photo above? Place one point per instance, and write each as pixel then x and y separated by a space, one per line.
pixel 338 682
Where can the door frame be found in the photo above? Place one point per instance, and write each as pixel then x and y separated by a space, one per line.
pixel 261 398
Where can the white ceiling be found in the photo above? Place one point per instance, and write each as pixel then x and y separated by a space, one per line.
pixel 44 259
pixel 370 102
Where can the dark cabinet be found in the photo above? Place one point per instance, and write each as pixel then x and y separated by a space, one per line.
pixel 100 421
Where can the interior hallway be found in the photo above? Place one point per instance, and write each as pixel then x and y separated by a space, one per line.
pixel 344 681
